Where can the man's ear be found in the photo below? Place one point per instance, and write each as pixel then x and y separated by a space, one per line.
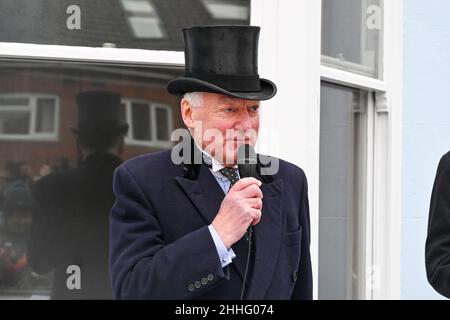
pixel 186 113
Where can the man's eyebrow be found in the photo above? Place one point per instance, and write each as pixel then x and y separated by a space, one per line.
pixel 226 99
pixel 231 100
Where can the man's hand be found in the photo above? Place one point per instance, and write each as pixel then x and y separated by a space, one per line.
pixel 241 207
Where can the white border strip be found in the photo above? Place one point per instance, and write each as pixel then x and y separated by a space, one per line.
pixel 72 53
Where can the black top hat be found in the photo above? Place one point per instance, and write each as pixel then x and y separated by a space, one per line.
pixel 223 59
pixel 100 112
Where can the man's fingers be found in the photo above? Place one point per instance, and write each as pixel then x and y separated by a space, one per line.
pixel 252 191
pixel 244 183
pixel 255 203
pixel 256 214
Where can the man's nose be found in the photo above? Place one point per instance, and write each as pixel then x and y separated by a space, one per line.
pixel 244 122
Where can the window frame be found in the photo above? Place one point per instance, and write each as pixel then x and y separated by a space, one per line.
pixel 298 73
pixel 356 68
pixel 152 105
pixel 32 108
pixel 381 251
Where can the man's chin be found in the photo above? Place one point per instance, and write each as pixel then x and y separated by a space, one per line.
pixel 231 157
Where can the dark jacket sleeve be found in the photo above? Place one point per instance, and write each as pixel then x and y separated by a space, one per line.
pixel 437 248
pixel 42 247
pixel 142 265
pixel 304 285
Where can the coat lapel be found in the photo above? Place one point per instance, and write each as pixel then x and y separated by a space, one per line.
pixel 267 240
pixel 207 196
pixel 204 193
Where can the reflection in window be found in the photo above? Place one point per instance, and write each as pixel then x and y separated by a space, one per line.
pixel 141 121
pixel 37 99
pixel 13 101
pixel 140 24
pixel 45 114
pixel 162 124
pixel 15 122
pixel 150 123
pixel 229 10
pixel 352 35
pixel 28 116
pixel 137 6
pixel 146 27
pixel 143 19
pixel 15 225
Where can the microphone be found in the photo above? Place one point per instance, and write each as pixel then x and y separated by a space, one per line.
pixel 246 160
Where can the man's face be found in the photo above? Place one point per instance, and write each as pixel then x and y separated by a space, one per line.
pixel 224 123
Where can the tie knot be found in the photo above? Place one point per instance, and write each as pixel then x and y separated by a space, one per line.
pixel 231 174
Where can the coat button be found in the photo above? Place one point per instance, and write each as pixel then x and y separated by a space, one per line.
pixel 295 275
pixel 198 284
pixel 210 277
pixel 191 287
pixel 204 281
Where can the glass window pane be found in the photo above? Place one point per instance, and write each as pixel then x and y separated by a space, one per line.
pixel 137 6
pixel 230 10
pixel 146 27
pixel 120 24
pixel 341 190
pixel 141 121
pixel 352 35
pixel 45 115
pixel 14 122
pixel 14 101
pixel 80 236
pixel 162 124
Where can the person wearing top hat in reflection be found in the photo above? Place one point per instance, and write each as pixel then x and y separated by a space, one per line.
pixel 71 216
pixel 179 230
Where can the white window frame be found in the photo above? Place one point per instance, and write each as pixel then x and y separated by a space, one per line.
pixel 32 108
pixel 335 63
pixel 383 209
pixel 154 142
pixel 290 55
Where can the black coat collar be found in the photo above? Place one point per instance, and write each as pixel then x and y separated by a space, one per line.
pixel 191 170
pixel 202 189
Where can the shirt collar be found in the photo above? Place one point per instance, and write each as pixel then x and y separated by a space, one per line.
pixel 212 162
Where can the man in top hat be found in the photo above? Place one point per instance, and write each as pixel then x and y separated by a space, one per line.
pixel 195 230
pixel 70 230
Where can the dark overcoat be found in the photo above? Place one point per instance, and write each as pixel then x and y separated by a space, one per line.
pixel 71 227
pixel 161 247
pixel 437 247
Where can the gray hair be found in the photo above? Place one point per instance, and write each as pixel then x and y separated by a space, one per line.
pixel 195 99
